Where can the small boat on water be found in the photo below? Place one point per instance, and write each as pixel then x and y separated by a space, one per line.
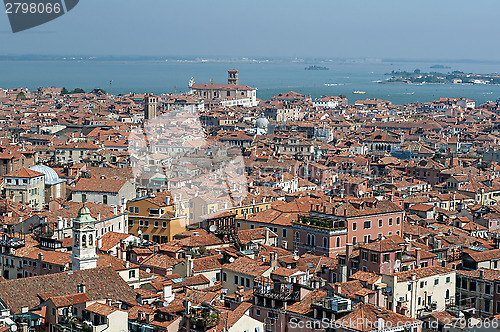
pixel 316 68
pixel 357 92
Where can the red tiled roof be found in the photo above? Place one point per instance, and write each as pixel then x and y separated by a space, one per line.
pixel 364 317
pixel 24 173
pixel 422 272
pixel 101 283
pixel 101 309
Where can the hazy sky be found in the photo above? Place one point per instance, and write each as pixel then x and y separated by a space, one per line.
pixel 416 29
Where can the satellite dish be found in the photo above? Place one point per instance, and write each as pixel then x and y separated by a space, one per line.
pixel 212 228
pixel 148 270
pixel 214 279
pixel 231 259
pixel 13 328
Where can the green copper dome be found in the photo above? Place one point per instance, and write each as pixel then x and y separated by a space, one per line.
pixel 84 216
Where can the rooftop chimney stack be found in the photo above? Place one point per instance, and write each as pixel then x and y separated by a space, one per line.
pixel 273 259
pixel 168 296
pixel 189 266
pixel 81 288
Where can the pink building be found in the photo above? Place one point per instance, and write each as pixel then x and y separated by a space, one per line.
pixel 368 317
pixel 329 226
pixel 319 174
pixel 390 255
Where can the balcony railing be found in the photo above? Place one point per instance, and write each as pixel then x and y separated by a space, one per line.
pixel 321 223
pixel 275 290
pixel 73 324
pixel 12 242
pixel 335 304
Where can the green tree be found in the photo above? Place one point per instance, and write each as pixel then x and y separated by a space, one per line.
pixel 21 96
pixel 64 91
pixel 99 91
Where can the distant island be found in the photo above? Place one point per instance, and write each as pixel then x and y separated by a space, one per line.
pixel 316 68
pixel 440 67
pixel 455 77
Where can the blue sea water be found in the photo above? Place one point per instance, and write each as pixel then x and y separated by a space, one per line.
pixel 270 78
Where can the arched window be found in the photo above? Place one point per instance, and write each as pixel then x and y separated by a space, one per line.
pixel 447 293
pixel 325 242
pixel 338 242
pixel 91 243
pixel 84 240
pixel 296 237
pixel 77 242
pixel 308 242
pixel 313 240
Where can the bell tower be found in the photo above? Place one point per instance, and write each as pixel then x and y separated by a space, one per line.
pixel 84 254
pixel 150 106
pixel 233 77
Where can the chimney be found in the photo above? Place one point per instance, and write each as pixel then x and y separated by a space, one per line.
pixel 273 256
pixel 99 216
pixel 338 287
pixel 23 327
pixel 189 266
pixel 418 255
pixel 380 323
pixel 168 296
pixel 481 274
pixel 187 306
pixel 40 256
pixel 267 237
pixel 167 200
pixel 238 295
pixel 81 288
pixel 60 223
pixel 115 209
pixel 348 252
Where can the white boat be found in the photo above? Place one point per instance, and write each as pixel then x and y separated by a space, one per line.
pixel 357 92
